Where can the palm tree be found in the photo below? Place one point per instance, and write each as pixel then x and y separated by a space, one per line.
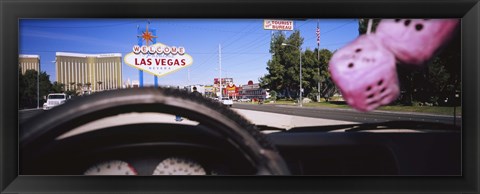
pixel 88 84
pixel 99 83
pixel 73 84
pixel 79 87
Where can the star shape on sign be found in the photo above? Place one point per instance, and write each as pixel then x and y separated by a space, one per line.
pixel 147 36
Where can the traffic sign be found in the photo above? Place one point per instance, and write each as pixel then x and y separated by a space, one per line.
pixel 278 25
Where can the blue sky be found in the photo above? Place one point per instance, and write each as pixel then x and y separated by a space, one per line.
pixel 245 44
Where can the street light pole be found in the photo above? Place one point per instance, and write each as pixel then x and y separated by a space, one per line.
pixel 38 87
pixel 301 89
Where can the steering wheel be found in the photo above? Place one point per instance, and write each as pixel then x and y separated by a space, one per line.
pixel 41 131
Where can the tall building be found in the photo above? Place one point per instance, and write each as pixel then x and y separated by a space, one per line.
pixel 26 62
pixel 89 72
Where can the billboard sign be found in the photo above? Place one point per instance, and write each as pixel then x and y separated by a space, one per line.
pixel 278 24
pixel 158 59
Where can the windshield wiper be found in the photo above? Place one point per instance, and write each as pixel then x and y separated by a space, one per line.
pixel 269 128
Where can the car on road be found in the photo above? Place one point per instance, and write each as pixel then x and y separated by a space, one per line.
pixel 244 100
pixel 54 99
pixel 226 101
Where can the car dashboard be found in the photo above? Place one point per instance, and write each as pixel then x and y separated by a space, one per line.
pixel 163 149
pixel 142 148
pixel 367 153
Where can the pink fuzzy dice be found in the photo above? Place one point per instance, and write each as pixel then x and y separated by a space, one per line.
pixel 365 72
pixel 415 41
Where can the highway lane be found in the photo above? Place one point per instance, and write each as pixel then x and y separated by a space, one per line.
pixel 26 114
pixel 349 115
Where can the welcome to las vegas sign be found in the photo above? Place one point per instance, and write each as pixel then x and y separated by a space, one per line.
pixel 158 59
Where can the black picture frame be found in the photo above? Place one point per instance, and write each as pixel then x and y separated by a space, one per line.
pixel 11 11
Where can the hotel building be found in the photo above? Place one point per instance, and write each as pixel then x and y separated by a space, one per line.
pixel 100 71
pixel 26 62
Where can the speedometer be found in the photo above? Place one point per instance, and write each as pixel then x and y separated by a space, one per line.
pixel 179 166
pixel 112 167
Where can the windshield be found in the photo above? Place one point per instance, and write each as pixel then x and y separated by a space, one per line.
pixel 283 67
pixel 57 96
pixel 240 96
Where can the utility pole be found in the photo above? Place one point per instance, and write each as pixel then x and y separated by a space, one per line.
pixel 220 69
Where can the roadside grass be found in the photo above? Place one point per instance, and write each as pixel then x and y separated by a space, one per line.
pixel 438 110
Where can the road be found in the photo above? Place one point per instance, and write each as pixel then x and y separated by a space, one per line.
pixel 348 114
pixel 26 114
pixel 328 114
pixel 284 121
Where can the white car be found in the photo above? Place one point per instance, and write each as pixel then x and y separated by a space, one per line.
pixel 244 100
pixel 227 101
pixel 54 100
